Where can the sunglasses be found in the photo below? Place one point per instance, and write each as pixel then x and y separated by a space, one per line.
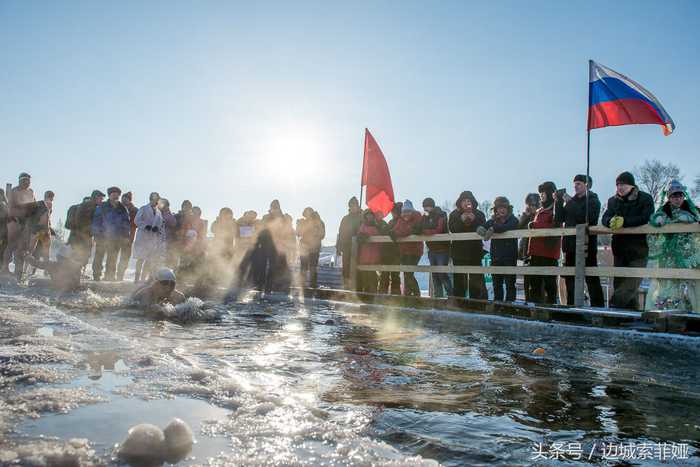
pixel 167 283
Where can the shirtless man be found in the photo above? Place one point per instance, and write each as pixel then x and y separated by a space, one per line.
pixel 160 292
pixel 21 204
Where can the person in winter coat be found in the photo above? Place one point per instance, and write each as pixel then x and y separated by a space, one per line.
pixel 273 242
pixel 111 229
pixel 410 223
pixel 390 281
pixel 680 251
pixel 80 225
pixel 311 231
pixel 21 205
pixel 41 230
pixel 571 211
pixel 349 226
pixel 170 233
pixel 504 251
pixel 532 204
pixel 435 222
pixel 368 253
pixel 183 224
pixel 467 218
pixel 630 207
pixel 249 258
pixel 544 251
pixel 149 245
pixel 125 252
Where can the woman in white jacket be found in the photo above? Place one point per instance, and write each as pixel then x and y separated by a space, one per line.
pixel 149 246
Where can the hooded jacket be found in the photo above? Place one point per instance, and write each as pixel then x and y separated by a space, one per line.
pixel 349 227
pixel 111 222
pixel 466 250
pixel 311 232
pixel 636 208
pixel 403 228
pixel 435 222
pixel 572 213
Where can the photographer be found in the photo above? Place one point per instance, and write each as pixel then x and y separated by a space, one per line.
pixel 571 211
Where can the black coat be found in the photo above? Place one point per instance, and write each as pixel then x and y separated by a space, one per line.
pixel 470 251
pixel 636 208
pixel 572 213
pixel 504 251
pixel 390 251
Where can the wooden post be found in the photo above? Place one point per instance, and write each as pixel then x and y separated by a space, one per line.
pixel 581 253
pixel 354 250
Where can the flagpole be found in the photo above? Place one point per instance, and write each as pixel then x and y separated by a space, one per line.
pixel 588 139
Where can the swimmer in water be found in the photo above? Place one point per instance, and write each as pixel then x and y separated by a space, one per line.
pixel 64 272
pixel 159 292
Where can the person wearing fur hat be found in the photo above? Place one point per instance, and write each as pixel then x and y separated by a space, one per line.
pixel 678 251
pixel 349 226
pixel 467 217
pixel 544 251
pixel 368 253
pixel 504 251
pixel 532 204
pixel 390 281
pixel 630 207
pixel 571 211
pixel 409 223
pixel 111 229
pixel 435 222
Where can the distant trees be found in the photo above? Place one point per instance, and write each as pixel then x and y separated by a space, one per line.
pixel 653 177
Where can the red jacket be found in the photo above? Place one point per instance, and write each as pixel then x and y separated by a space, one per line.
pixel 369 253
pixel 545 247
pixel 404 228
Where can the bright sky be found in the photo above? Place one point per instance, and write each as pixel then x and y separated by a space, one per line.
pixel 236 103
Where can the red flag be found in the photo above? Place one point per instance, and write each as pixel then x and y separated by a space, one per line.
pixel 375 175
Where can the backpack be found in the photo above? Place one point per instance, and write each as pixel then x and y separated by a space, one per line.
pixel 72 217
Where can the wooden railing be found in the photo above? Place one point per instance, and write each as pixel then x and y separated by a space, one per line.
pixel 579 271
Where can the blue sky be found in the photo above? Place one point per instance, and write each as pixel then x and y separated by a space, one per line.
pixel 236 103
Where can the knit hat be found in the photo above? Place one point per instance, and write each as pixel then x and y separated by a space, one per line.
pixel 582 178
pixel 407 206
pixel 428 203
pixel 625 178
pixel 547 187
pixel 501 201
pixel 96 193
pixel 24 175
pixel 113 189
pixel 165 274
pixel 353 202
pixel 674 186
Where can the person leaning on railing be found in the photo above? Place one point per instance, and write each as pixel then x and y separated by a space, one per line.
pixel 504 251
pixel 467 218
pixel 544 251
pixel 410 223
pixel 435 222
pixel 369 253
pixel 571 211
pixel 532 204
pixel 681 250
pixel 390 281
pixel 630 207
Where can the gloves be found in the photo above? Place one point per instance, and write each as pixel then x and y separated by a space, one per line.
pixel 617 222
pixel 148 228
pixel 481 231
pixel 487 235
pixel 154 229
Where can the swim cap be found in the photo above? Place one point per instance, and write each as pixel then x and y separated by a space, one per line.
pixel 165 274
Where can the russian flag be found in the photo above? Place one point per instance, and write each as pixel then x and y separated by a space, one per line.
pixel 614 100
